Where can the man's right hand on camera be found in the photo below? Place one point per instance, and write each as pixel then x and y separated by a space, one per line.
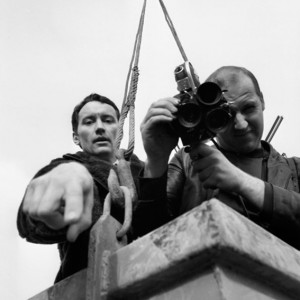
pixel 158 136
pixel 61 198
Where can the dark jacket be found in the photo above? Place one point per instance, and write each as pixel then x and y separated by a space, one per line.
pixel 281 209
pixel 74 255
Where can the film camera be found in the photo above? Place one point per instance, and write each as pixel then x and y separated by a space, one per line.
pixel 203 111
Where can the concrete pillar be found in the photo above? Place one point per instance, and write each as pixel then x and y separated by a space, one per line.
pixel 211 252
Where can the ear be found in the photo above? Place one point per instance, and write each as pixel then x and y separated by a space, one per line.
pixel 76 139
pixel 262 101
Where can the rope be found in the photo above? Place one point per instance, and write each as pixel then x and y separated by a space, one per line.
pixel 129 97
pixel 122 190
pixel 169 21
pixel 132 77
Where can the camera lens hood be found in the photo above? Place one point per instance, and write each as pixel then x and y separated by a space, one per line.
pixel 217 119
pixel 189 114
pixel 209 93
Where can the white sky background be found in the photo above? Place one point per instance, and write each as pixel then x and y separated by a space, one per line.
pixel 54 53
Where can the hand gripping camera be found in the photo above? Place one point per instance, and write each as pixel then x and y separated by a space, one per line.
pixel 203 111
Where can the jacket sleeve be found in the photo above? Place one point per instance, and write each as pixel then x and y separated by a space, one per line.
pixel 151 211
pixel 175 186
pixel 35 231
pixel 160 197
pixel 281 212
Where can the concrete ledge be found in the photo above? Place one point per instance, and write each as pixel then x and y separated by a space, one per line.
pixel 211 252
pixel 194 243
pixel 71 288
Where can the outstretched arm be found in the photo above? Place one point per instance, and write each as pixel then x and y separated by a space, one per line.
pixel 57 205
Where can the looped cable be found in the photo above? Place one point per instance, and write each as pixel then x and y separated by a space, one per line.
pixel 125 176
pixel 122 191
pixel 129 96
pixel 129 107
pixel 126 192
pixel 128 210
pixel 107 205
pixel 128 213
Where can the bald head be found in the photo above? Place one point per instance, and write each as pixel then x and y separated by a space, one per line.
pixel 230 75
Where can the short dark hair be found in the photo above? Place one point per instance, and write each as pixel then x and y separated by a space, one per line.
pixel 92 97
pixel 214 77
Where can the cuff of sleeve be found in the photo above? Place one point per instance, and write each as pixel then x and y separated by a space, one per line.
pixel 264 217
pixel 267 210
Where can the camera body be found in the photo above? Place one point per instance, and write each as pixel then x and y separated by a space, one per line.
pixel 203 111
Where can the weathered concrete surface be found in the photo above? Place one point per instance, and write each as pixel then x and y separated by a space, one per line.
pixel 72 288
pixel 211 252
pixel 208 236
pixel 220 283
pixel 89 283
pixel 103 242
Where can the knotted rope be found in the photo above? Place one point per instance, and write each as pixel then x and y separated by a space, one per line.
pixel 129 96
pixel 122 190
pixel 120 181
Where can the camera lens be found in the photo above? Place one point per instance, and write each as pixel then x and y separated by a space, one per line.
pixel 179 73
pixel 217 119
pixel 189 115
pixel 209 93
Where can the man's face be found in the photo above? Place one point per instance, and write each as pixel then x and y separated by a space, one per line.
pixel 97 130
pixel 244 132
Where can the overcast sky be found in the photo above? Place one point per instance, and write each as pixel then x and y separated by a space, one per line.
pixel 54 53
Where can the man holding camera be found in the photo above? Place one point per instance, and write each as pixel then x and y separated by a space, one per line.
pixel 240 170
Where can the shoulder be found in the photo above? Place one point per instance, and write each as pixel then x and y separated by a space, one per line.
pixel 292 162
pixel 54 163
pixel 274 155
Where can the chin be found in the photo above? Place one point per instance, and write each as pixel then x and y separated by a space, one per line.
pixel 108 155
pixel 103 152
pixel 243 148
pixel 248 148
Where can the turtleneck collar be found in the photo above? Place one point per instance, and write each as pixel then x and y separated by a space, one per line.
pixel 262 152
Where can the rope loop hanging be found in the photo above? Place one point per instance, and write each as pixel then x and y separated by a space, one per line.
pixel 121 186
pixel 130 95
pixel 122 191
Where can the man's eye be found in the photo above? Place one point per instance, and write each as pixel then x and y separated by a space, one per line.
pixel 249 109
pixel 87 122
pixel 109 120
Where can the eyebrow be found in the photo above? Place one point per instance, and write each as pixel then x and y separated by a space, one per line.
pixel 241 103
pixel 91 115
pixel 94 115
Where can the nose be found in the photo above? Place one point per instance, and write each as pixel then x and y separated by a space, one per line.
pixel 99 126
pixel 240 122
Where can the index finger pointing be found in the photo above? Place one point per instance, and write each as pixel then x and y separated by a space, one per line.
pixel 73 198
